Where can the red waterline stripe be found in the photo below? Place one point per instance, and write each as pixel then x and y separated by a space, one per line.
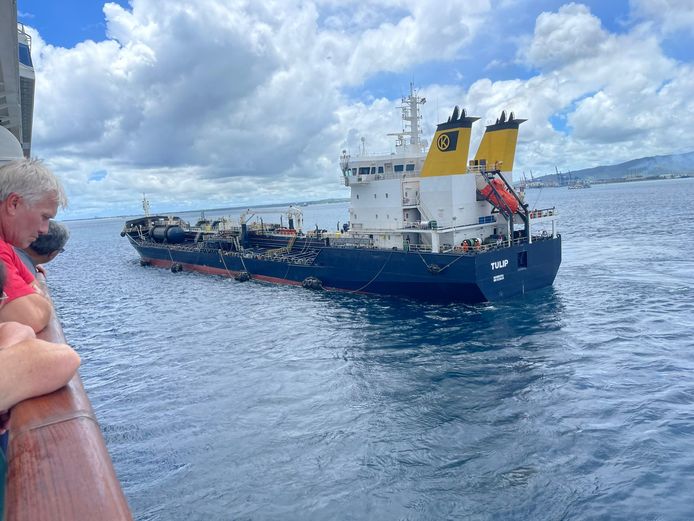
pixel 159 263
pixel 217 271
pixel 229 273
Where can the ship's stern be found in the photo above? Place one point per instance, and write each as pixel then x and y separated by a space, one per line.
pixel 512 271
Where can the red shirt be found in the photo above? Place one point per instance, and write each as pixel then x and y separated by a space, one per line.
pixel 18 278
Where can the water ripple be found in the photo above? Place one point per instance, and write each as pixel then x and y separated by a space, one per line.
pixel 227 400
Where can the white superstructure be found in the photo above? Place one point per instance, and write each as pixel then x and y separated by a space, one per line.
pixel 16 76
pixel 437 200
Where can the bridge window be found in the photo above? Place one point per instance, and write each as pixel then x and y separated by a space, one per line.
pixel 380 169
pixel 364 170
pixel 25 55
pixel 399 168
pixel 409 168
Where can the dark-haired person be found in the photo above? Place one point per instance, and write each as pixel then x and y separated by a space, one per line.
pixel 29 198
pixel 28 366
pixel 45 248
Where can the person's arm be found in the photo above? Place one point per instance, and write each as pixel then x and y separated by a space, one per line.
pixel 34 367
pixel 12 333
pixel 34 310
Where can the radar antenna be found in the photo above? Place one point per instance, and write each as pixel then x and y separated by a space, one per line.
pixel 411 122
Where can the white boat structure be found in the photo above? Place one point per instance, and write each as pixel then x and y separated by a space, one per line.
pixel 438 200
pixel 17 80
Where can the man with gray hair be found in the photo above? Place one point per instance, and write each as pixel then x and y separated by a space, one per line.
pixel 29 198
pixel 45 248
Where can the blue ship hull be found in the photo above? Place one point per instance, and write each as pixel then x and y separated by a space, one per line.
pixel 479 276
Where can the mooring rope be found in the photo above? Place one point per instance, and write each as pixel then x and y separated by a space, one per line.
pixel 375 276
pixel 244 264
pixel 221 256
pixel 429 266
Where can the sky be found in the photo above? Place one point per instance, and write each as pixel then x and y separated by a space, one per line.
pixel 222 103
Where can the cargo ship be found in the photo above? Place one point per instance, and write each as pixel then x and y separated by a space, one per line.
pixel 425 222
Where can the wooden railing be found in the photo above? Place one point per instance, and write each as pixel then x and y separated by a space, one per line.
pixel 58 465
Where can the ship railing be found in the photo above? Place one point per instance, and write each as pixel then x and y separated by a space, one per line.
pixel 425 213
pixel 166 246
pixel 58 464
pixel 429 225
pixel 367 178
pixel 484 167
pixel 499 244
pixel 307 258
pixel 544 212
pixel 473 250
pixel 543 236
pixel 419 247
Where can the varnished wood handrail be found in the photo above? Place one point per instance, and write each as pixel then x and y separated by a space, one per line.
pixel 58 465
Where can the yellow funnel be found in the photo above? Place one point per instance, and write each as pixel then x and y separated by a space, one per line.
pixel 498 147
pixel 449 150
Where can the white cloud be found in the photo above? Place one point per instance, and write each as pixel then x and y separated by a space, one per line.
pixel 669 15
pixel 564 37
pixel 615 92
pixel 231 102
pixel 186 99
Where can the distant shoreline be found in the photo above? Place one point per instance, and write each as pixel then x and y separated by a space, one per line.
pixel 300 204
pixel 613 181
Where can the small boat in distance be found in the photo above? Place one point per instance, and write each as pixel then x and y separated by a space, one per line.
pixel 580 184
pixel 423 223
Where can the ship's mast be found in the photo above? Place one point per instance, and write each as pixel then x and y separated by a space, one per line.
pixel 411 115
pixel 411 135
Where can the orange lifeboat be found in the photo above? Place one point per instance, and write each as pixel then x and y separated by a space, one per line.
pixel 504 200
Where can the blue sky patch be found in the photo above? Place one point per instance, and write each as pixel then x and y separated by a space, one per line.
pixel 98 175
pixel 67 22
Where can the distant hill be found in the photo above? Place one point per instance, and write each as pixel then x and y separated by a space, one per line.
pixel 654 166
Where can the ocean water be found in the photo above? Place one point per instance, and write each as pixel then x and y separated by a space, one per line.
pixel 226 400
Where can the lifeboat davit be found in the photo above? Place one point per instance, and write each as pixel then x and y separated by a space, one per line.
pixel 504 201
